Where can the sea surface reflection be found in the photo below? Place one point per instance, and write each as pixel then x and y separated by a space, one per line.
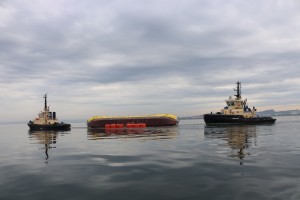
pixel 238 138
pixel 191 161
pixel 150 133
pixel 47 139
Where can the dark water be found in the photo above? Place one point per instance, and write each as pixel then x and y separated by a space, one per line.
pixel 191 161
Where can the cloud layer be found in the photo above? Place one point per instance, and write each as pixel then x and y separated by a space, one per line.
pixel 140 57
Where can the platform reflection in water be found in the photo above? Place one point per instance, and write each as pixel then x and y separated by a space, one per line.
pixel 151 132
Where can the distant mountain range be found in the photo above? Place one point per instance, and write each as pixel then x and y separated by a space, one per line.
pixel 262 113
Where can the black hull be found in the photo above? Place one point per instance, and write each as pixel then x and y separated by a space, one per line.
pixel 236 119
pixel 58 126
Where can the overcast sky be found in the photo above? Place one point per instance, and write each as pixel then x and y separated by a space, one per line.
pixel 132 57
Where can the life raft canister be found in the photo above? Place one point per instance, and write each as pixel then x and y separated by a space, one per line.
pixel 113 126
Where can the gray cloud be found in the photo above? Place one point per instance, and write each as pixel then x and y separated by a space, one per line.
pixel 140 57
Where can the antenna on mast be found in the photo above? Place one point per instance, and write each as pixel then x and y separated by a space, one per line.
pixel 238 90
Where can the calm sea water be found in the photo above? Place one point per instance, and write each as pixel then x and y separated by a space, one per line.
pixel 191 161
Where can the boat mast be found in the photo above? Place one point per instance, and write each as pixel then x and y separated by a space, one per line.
pixel 45 96
pixel 238 90
pixel 46 110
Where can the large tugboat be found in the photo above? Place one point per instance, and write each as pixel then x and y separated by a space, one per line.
pixel 129 121
pixel 237 112
pixel 47 120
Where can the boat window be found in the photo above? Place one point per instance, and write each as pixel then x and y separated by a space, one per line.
pixel 232 103
pixel 228 103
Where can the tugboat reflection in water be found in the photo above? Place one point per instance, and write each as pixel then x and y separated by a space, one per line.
pixel 47 138
pixel 238 138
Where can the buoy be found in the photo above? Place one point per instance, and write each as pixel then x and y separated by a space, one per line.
pixel 142 125
pixel 129 125
pixel 120 126
pixel 113 126
pixel 138 125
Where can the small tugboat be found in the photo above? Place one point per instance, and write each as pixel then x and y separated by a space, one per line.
pixel 237 112
pixel 47 120
pixel 133 121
